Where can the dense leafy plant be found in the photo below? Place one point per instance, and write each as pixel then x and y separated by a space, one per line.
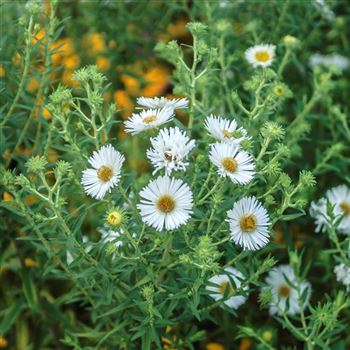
pixel 195 220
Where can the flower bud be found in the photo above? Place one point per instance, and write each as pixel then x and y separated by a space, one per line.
pixel 290 41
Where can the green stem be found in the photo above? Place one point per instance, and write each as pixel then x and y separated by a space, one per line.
pixel 263 149
pixel 193 86
pixel 24 73
pixel 204 187
pixel 223 74
pixel 334 237
pixel 307 108
pixel 201 201
pixel 167 247
pixel 43 87
pixel 284 62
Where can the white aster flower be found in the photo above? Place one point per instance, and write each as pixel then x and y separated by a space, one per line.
pixel 339 61
pixel 225 289
pixel 232 162
pixel 148 119
pixel 170 150
pixel 160 102
pixel 339 198
pixel 249 224
pixel 342 273
pixel 316 59
pixel 105 173
pixel 318 211
pixel 284 286
pixel 166 203
pixel 325 10
pixel 260 55
pixel 225 130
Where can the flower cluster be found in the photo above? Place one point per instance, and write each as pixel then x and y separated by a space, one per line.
pixel 158 214
pixel 167 202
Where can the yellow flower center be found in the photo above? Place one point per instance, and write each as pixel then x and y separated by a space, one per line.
pixel 345 207
pixel 247 223
pixel 28 262
pixel 230 164
pixel 165 203
pixel 284 291
pixel 224 285
pixel 115 218
pixel 150 119
pixel 278 90
pixel 267 335
pixel 227 134
pixel 262 56
pixel 105 173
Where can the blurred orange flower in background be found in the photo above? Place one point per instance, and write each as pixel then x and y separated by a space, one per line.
pixel 103 63
pixel 157 81
pixel 64 50
pixel 176 30
pixel 132 85
pixel 245 344
pixel 3 342
pixel 2 71
pixel 33 85
pixel 214 346
pixel 6 197
pixel 30 199
pixel 65 56
pixel 94 43
pixel 124 102
pixel 39 36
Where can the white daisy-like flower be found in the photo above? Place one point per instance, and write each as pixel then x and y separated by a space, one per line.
pixel 325 10
pixel 105 173
pixel 318 211
pixel 339 61
pixel 260 55
pixel 225 130
pixel 232 162
pixel 249 224
pixel 225 289
pixel 166 203
pixel 160 102
pixel 339 198
pixel 283 284
pixel 342 273
pixel 170 150
pixel 148 119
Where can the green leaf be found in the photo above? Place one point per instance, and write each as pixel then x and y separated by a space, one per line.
pixel 10 316
pixel 29 291
pixel 290 217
